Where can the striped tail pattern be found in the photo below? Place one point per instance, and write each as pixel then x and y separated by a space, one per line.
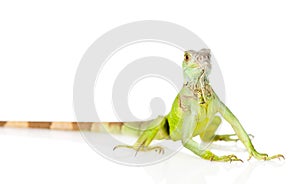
pixel 111 127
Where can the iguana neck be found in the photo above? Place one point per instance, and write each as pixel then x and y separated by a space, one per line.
pixel 201 88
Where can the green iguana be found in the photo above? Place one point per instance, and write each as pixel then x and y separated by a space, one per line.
pixel 194 113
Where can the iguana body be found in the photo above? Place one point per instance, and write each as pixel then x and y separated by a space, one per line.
pixel 194 113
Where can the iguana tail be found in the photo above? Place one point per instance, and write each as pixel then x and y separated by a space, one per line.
pixel 126 128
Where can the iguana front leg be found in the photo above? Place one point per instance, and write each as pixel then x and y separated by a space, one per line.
pixel 242 135
pixel 189 122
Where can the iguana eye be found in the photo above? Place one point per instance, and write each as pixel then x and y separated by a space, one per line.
pixel 186 57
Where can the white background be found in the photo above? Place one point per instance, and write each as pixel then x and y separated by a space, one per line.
pixel 256 45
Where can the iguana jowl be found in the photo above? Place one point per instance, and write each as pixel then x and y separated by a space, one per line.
pixel 194 113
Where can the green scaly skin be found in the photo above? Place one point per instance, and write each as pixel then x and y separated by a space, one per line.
pixel 194 112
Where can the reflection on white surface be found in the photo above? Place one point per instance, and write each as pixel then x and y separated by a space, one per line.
pixel 59 150
pixel 188 169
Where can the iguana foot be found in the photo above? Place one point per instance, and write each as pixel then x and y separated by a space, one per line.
pixel 263 156
pixel 229 137
pixel 208 155
pixel 158 149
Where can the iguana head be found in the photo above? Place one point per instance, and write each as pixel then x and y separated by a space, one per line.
pixel 195 64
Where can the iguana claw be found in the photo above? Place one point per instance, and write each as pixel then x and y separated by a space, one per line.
pixel 208 155
pixel 226 158
pixel 263 156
